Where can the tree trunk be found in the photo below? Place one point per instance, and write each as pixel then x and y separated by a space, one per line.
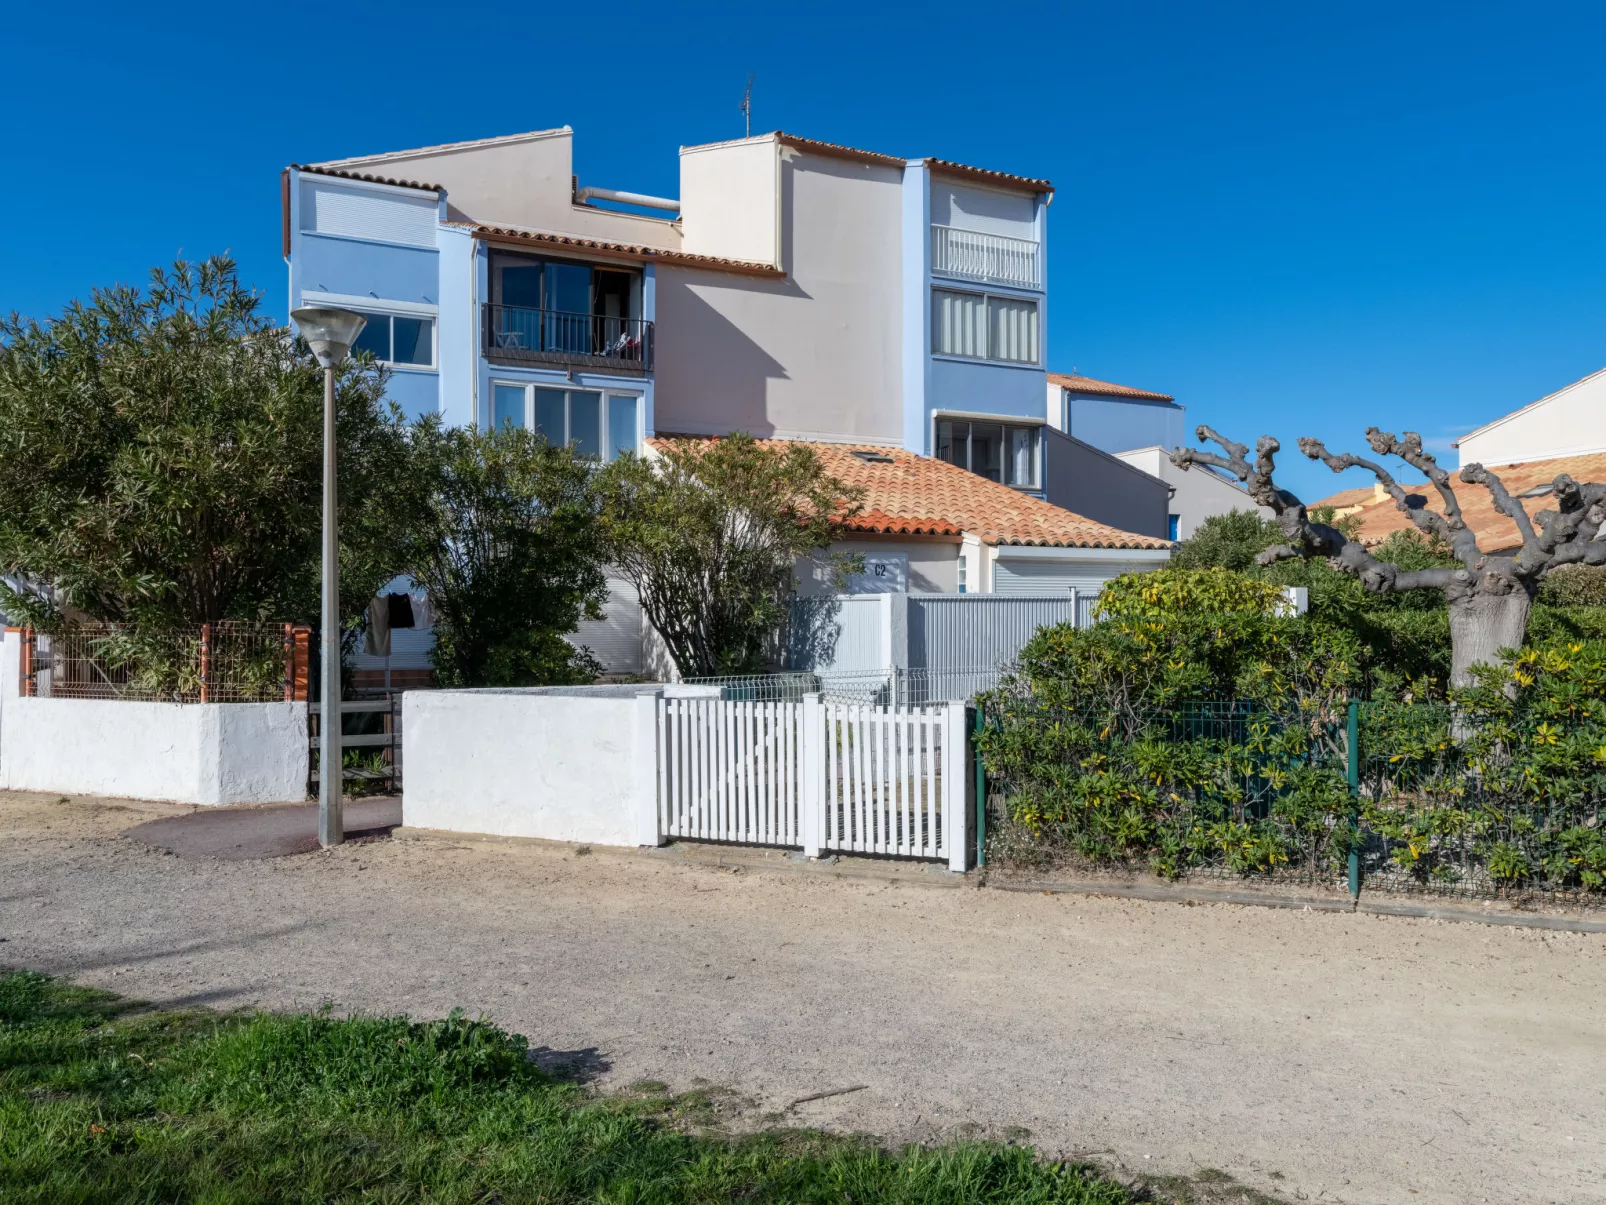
pixel 1484 620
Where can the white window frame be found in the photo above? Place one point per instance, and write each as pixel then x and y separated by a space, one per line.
pixel 987 296
pixel 1008 422
pixel 372 307
pixel 567 387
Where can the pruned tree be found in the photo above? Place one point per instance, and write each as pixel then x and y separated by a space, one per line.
pixel 1489 595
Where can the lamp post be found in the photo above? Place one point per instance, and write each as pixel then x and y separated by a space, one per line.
pixel 330 334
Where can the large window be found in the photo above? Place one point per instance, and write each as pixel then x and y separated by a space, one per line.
pixel 984 326
pixel 398 339
pixel 596 424
pixel 997 451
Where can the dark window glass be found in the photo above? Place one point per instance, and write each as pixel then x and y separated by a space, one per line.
pixel 1021 462
pixel 549 415
pixel 375 337
pixel 522 286
pixel 987 450
pixel 413 337
pixel 952 443
pixel 568 288
pixel 585 423
pixel 621 425
pixel 508 406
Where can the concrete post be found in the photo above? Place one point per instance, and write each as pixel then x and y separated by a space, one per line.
pixel 811 776
pixel 957 785
pixel 650 754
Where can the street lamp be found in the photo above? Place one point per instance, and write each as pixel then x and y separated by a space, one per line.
pixel 330 334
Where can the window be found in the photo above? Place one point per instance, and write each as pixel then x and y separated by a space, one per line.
pixel 997 451
pixel 984 327
pixel 596 424
pixel 398 339
pixel 1173 525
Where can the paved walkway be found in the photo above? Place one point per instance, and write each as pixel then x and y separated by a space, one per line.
pixel 276 831
pixel 1317 1056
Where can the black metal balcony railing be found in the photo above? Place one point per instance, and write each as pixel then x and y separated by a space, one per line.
pixel 555 337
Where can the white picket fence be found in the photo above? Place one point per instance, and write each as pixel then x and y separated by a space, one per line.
pixel 862 779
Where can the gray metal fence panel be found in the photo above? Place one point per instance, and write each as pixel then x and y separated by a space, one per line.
pixel 949 631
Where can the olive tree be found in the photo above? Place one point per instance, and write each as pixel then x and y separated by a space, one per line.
pixel 161 460
pixel 1489 594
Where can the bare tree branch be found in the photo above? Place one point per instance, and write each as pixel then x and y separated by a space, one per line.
pixel 1533 556
pixel 1305 538
pixel 1463 542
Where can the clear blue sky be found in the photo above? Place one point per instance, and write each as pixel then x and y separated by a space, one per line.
pixel 1299 219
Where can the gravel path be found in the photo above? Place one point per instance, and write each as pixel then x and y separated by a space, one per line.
pixel 1316 1056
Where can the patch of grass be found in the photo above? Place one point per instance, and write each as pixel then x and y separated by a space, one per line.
pixel 103 1102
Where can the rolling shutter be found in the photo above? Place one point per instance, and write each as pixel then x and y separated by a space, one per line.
pixel 1055 577
pixel 615 639
pixel 358 213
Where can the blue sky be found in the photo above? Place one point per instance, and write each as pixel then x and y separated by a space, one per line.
pixel 1298 218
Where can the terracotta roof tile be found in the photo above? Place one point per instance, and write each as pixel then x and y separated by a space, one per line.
pixel 345 175
pixel 917 495
pixel 1081 384
pixel 981 175
pixel 987 176
pixel 1495 532
pixel 656 254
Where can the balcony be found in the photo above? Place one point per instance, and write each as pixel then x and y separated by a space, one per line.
pixel 516 335
pixel 988 258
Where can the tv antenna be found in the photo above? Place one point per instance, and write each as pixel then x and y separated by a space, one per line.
pixel 747 104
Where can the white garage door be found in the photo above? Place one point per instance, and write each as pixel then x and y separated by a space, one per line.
pixel 615 639
pixel 1053 577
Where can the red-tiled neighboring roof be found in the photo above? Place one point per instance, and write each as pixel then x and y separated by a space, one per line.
pixel 917 495
pixel 345 175
pixel 1081 384
pixel 657 255
pixel 1381 519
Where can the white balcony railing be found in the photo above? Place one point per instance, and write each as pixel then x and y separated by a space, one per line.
pixel 991 258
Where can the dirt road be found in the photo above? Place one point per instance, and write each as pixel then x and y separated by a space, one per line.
pixel 1317 1056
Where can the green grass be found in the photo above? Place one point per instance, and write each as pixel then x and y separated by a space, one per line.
pixel 101 1101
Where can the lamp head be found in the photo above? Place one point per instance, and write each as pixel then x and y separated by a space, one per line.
pixel 329 332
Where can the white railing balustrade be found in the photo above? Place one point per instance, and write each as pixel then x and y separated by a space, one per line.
pixel 990 258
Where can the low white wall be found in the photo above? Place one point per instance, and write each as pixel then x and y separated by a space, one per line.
pixel 574 763
pixel 181 752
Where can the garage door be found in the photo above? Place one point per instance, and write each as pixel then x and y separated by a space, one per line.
pixel 1054 577
pixel 615 639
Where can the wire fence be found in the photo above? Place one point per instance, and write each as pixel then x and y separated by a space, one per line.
pixel 881 688
pixel 1372 795
pixel 203 663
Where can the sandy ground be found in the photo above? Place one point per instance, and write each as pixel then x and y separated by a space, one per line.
pixel 1316 1056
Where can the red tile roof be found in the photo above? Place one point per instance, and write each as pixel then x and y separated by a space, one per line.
pixel 1081 384
pixel 1495 532
pixel 331 171
pixel 917 495
pixel 629 251
pixel 981 175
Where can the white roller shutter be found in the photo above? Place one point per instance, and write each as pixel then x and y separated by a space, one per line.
pixel 1053 577
pixel 382 217
pixel 615 639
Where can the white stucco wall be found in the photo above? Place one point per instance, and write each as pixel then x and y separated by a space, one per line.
pixel 184 753
pixel 816 355
pixel 933 565
pixel 1199 493
pixel 564 763
pixel 1569 422
pixel 524 180
pixel 730 200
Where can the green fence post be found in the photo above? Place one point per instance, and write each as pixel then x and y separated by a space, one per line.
pixel 981 791
pixel 1354 757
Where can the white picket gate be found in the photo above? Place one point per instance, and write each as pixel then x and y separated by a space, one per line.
pixel 727 771
pixel 877 780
